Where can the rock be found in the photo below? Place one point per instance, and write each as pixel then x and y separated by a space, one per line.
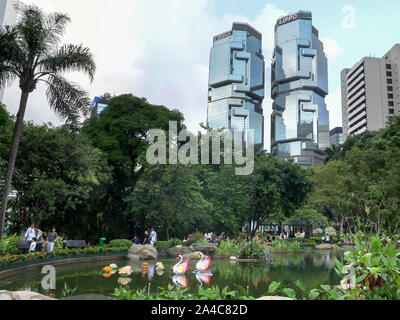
pixel 207 249
pixel 274 298
pixel 162 254
pixel 193 255
pixel 133 257
pixel 22 295
pixel 233 258
pixel 327 246
pixel 178 250
pixel 144 252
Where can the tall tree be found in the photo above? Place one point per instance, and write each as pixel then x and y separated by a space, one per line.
pixel 31 52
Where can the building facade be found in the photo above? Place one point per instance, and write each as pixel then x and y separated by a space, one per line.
pixel 8 16
pixel 370 93
pixel 300 119
pixel 99 104
pixel 236 82
pixel 336 136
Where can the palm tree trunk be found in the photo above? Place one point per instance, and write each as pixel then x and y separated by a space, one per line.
pixel 12 157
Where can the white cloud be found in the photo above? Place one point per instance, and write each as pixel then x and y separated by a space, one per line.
pixel 151 48
pixel 332 49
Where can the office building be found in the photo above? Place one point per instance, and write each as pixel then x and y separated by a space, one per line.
pixel 370 93
pixel 236 82
pixel 300 120
pixel 99 104
pixel 336 136
pixel 8 16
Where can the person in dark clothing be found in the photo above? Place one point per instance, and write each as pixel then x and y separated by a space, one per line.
pixel 146 238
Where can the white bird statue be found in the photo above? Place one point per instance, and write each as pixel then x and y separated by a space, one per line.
pixel 181 267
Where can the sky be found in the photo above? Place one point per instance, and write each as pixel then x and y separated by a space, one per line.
pixel 159 49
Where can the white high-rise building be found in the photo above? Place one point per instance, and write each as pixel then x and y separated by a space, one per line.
pixel 8 16
pixel 370 93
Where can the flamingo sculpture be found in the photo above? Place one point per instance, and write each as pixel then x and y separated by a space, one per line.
pixel 181 267
pixel 204 263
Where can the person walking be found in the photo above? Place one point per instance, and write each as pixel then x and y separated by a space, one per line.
pixel 51 239
pixel 153 237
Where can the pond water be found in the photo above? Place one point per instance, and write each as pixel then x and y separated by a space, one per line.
pixel 311 267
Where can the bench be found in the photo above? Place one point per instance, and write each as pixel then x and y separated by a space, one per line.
pixel 23 245
pixel 73 244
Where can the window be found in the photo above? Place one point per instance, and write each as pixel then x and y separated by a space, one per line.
pixel 388 73
pixel 388 66
pixel 391 104
pixel 391 111
pixel 390 88
pixel 390 96
pixel 389 81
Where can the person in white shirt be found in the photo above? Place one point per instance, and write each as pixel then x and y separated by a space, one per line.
pixel 32 247
pixel 30 234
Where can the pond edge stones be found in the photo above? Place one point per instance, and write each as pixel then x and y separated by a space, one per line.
pixel 22 295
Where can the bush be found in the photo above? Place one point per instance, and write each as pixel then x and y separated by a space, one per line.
pixel 120 243
pixel 254 250
pixel 198 236
pixel 283 245
pixel 317 231
pixel 330 231
pixel 228 248
pixel 8 245
pixel 164 245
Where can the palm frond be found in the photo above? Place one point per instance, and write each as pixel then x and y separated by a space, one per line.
pixel 69 58
pixel 67 99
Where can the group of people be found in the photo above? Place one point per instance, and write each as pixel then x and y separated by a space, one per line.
pixel 149 238
pixel 36 239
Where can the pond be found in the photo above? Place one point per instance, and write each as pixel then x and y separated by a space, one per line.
pixel 311 267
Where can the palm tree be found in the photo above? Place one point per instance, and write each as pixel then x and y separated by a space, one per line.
pixel 31 52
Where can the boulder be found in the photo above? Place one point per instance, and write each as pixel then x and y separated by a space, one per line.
pixel 178 250
pixel 208 249
pixel 327 246
pixel 273 298
pixel 233 258
pixel 193 256
pixel 144 252
pixel 22 295
pixel 133 257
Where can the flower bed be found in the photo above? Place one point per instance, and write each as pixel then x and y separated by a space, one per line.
pixel 19 260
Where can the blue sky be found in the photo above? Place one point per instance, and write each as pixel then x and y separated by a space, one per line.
pixel 159 49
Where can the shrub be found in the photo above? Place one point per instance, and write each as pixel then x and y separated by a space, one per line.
pixel 317 231
pixel 330 231
pixel 164 245
pixel 8 245
pixel 120 243
pixel 228 248
pixel 283 245
pixel 198 236
pixel 254 250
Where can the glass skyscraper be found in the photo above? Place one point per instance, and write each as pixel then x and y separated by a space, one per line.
pixel 300 120
pixel 236 82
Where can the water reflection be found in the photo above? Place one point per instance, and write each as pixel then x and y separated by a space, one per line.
pixel 204 278
pixel 180 280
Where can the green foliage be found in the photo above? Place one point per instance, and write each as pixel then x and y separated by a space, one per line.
pixel 254 250
pixel 179 293
pixel 317 231
pixel 365 194
pixel 8 244
pixel 67 292
pixel 330 231
pixel 375 276
pixel 164 245
pixel 122 243
pixel 284 245
pixel 229 248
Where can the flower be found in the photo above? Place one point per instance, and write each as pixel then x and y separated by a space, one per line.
pixel 107 268
pixel 124 281
pixel 113 266
pixel 106 275
pixel 125 270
